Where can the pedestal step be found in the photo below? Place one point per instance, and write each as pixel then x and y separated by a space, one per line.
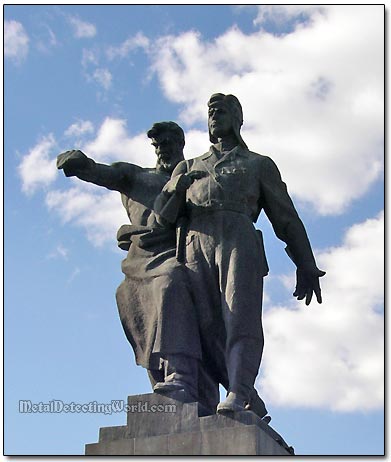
pixel 158 425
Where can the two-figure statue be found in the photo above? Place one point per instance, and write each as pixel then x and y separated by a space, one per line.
pixel 191 301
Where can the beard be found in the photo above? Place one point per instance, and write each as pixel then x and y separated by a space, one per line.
pixel 168 162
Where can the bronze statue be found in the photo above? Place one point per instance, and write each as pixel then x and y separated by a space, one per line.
pixel 213 201
pixel 154 300
pixel 191 301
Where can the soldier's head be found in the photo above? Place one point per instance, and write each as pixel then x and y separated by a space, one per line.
pixel 225 117
pixel 168 140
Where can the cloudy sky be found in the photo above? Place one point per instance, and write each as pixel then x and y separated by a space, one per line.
pixel 310 80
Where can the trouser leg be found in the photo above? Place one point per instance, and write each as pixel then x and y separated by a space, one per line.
pixel 206 295
pixel 208 389
pixel 241 302
pixel 243 361
pixel 243 364
pixel 243 357
pixel 224 262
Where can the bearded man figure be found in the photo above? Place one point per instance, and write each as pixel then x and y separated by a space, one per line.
pixel 154 300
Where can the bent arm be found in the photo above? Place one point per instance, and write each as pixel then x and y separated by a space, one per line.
pixel 117 176
pixel 171 200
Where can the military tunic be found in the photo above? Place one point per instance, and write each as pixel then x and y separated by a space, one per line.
pixel 224 252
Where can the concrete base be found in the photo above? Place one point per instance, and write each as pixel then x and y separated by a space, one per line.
pixel 161 425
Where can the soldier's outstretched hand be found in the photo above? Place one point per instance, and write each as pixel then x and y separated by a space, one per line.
pixel 72 162
pixel 307 283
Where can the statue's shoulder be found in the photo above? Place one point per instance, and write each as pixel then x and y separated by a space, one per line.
pixel 188 164
pixel 204 156
pixel 263 164
pixel 196 160
pixel 259 158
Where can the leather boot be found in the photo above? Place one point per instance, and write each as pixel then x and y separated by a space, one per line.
pixel 180 373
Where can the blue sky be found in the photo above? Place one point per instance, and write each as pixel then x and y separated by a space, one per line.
pixel 310 80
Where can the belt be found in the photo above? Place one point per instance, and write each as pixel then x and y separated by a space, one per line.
pixel 216 206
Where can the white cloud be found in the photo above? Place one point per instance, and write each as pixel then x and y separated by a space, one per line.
pixel 98 211
pixel 312 99
pixel 89 57
pixel 195 143
pixel 82 29
pixel 79 128
pixel 331 355
pixel 92 73
pixel 130 44
pixel 37 169
pixel 112 143
pixel 103 77
pixel 48 41
pixel 16 41
pixel 73 275
pixel 59 252
pixel 285 18
pixel 52 37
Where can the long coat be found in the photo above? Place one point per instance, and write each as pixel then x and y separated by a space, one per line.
pixel 154 301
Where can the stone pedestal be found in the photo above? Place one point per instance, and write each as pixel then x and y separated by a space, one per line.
pixel 158 425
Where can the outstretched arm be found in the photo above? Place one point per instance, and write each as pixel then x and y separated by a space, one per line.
pixel 116 176
pixel 289 228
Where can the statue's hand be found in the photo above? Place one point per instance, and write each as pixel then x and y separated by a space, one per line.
pixel 187 179
pixel 72 162
pixel 307 283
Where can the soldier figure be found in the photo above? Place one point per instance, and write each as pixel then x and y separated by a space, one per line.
pixel 154 300
pixel 224 253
